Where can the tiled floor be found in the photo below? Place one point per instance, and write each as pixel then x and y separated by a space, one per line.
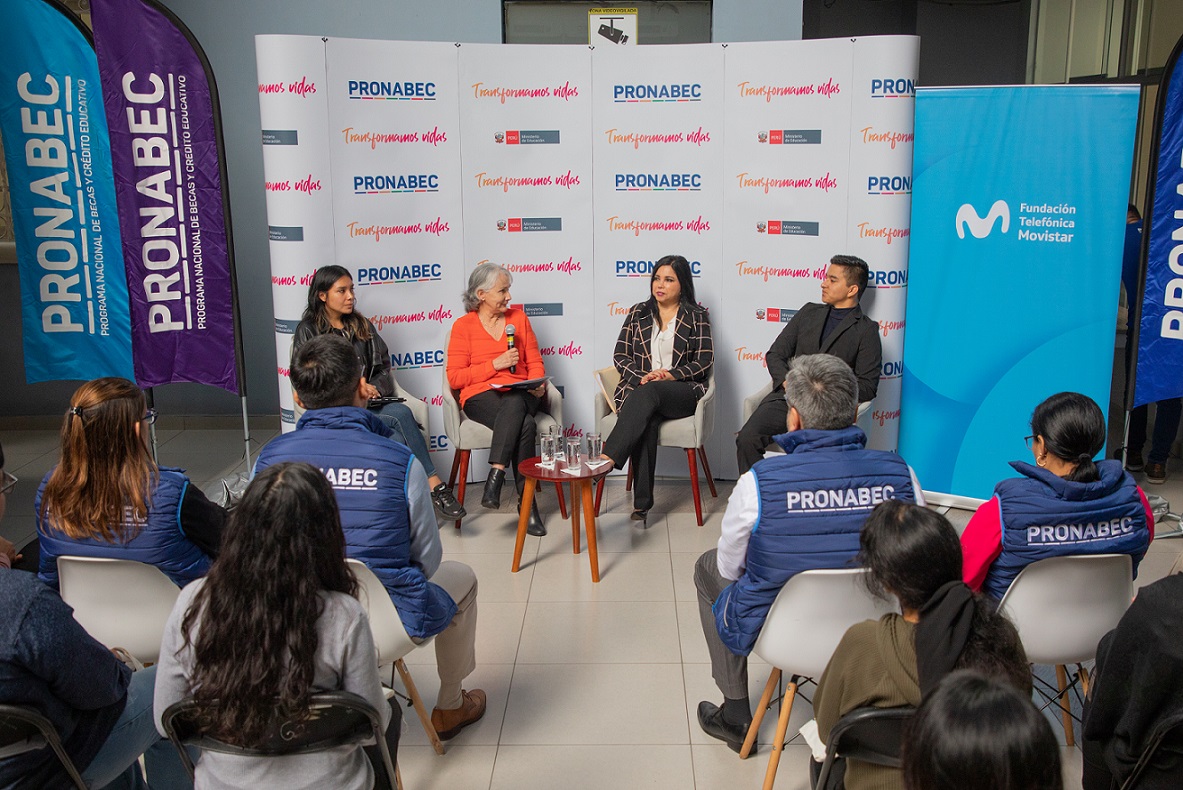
pixel 589 685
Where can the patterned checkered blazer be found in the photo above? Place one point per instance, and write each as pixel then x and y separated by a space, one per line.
pixel 694 350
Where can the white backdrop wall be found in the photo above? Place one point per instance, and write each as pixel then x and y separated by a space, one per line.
pixel 578 168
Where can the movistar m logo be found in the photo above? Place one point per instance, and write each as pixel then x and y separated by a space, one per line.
pixel 981 227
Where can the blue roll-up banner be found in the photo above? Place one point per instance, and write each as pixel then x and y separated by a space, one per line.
pixel 1159 371
pixel 73 287
pixel 1018 212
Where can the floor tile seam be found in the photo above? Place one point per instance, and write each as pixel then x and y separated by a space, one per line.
pixel 682 665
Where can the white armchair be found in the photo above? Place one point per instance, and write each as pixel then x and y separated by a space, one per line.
pixel 688 433
pixel 467 435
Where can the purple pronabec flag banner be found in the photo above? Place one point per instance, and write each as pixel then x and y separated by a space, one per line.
pixel 160 105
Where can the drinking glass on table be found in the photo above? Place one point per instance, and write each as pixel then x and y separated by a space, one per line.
pixel 549 443
pixel 595 447
pixel 573 460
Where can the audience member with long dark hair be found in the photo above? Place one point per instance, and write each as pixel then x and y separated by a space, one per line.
pixel 332 309
pixel 664 355
pixel 976 732
pixel 107 497
pixel 275 620
pixel 912 553
pixel 1066 503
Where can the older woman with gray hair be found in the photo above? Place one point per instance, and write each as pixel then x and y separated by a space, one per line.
pixel 480 357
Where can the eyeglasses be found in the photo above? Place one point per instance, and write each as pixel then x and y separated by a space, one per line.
pixel 9 483
pixel 1029 440
pixel 150 417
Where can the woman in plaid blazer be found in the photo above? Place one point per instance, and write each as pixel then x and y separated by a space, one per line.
pixel 664 355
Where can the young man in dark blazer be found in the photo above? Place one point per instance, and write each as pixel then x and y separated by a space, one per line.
pixel 837 326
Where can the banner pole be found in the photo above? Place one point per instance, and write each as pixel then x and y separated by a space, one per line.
pixel 150 396
pixel 246 435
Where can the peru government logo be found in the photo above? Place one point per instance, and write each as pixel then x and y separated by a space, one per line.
pixel 791 136
pixel 787 227
pixel 527 137
pixel 775 315
pixel 530 224
pixel 981 227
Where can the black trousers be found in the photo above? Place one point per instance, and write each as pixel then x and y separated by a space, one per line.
pixel 511 416
pixel 769 419
pixel 393 730
pixel 635 435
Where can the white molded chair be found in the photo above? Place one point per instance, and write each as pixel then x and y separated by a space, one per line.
pixel 862 418
pixel 804 626
pixel 120 603
pixel 689 433
pixel 467 435
pixel 1062 606
pixel 391 640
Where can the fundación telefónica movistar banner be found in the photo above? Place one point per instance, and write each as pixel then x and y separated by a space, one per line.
pixel 160 101
pixel 73 289
pixel 1018 213
pixel 1160 328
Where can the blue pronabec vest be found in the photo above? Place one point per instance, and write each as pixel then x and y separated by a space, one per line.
pixel 1043 515
pixel 368 473
pixel 813 502
pixel 160 540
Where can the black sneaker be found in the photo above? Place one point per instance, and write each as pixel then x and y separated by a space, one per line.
pixel 446 504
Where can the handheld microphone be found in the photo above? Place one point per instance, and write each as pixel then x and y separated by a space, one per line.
pixel 510 343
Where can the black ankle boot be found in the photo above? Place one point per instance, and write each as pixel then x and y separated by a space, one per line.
pixel 535 525
pixel 491 498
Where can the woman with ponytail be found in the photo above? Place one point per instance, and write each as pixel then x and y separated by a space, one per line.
pixel 276 620
pixel 107 497
pixel 911 553
pixel 1066 503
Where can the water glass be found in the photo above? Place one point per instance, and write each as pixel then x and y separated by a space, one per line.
pixel 595 447
pixel 573 460
pixel 560 449
pixel 549 442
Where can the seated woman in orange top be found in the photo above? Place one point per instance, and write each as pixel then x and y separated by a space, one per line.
pixel 479 356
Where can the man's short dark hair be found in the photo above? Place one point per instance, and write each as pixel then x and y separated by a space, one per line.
pixel 325 372
pixel 857 271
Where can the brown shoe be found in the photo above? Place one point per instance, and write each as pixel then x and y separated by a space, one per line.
pixel 1156 472
pixel 449 723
